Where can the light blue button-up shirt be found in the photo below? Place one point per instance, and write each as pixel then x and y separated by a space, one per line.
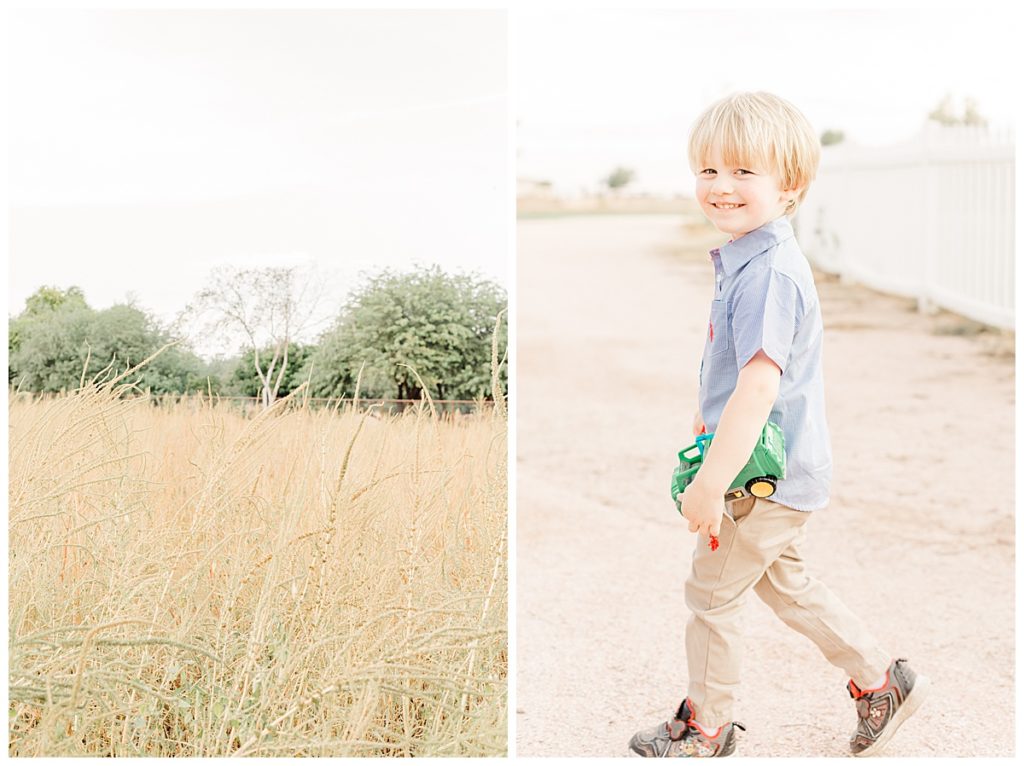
pixel 765 298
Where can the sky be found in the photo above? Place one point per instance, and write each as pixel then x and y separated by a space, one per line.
pixel 599 89
pixel 147 147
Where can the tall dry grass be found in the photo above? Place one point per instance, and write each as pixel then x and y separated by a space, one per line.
pixel 188 581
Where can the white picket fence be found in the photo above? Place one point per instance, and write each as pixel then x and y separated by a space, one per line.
pixel 932 219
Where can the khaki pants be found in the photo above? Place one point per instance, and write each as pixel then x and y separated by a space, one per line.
pixel 760 549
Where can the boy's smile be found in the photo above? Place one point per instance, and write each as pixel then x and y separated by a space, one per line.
pixel 738 199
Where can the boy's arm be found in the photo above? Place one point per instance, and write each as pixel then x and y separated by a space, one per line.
pixel 743 418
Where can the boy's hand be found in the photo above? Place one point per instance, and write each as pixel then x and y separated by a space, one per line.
pixel 698 424
pixel 703 509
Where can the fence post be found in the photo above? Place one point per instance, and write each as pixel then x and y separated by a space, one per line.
pixel 842 247
pixel 924 298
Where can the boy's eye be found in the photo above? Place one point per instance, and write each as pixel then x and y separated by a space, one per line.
pixel 712 171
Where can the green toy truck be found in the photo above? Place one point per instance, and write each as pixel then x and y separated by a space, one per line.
pixel 758 477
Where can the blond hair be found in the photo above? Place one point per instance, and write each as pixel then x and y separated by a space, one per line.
pixel 759 129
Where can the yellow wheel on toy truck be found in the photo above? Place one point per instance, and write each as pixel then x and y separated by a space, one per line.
pixel 762 486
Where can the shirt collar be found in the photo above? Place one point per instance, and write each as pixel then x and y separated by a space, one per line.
pixel 736 254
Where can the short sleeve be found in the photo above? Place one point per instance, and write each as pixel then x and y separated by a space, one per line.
pixel 766 310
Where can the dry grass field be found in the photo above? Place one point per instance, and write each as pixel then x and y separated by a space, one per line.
pixel 188 581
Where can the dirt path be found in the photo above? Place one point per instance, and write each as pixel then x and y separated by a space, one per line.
pixel 919 538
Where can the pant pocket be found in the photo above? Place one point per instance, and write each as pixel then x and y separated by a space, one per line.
pixel 737 510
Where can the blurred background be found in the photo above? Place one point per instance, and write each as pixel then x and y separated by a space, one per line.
pixel 915 112
pixel 160 159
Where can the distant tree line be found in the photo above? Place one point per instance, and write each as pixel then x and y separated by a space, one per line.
pixel 59 341
pixel 402 331
pixel 944 113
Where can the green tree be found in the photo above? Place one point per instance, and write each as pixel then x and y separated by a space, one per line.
pixel 59 336
pixel 244 381
pixel 831 137
pixel 217 375
pixel 439 324
pixel 42 302
pixel 48 298
pixel 126 335
pixel 971 114
pixel 945 113
pixel 48 348
pixel 619 178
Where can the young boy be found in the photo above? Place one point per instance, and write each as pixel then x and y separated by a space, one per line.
pixel 754 156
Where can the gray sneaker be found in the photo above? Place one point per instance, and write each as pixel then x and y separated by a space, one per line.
pixel 882 711
pixel 681 737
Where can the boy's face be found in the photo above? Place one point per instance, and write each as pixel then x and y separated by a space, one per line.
pixel 738 199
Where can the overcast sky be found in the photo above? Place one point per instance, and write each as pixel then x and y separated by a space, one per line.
pixel 148 146
pixel 599 89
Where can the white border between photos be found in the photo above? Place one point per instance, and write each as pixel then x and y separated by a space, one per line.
pixel 513 398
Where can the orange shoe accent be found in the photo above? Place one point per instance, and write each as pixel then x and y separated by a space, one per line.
pixel 856 692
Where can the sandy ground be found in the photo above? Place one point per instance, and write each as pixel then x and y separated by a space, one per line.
pixel 919 538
